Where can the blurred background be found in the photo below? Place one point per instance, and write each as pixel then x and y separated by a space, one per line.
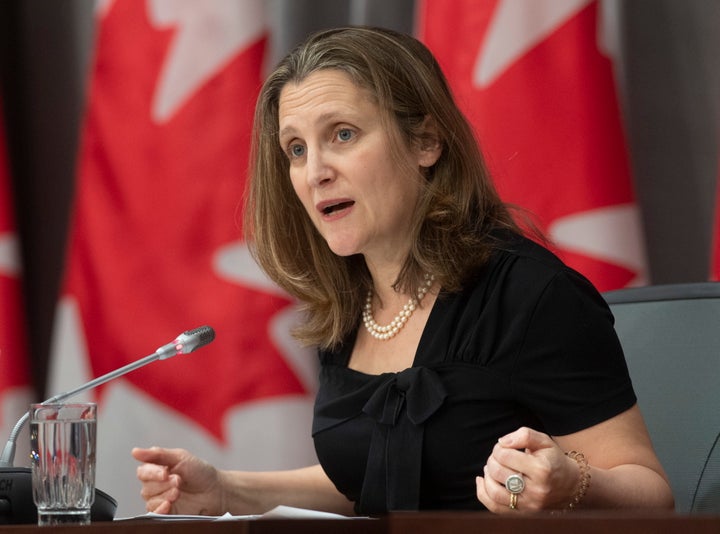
pixel 666 71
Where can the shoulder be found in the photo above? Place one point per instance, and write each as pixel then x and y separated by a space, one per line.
pixel 522 274
pixel 527 262
pixel 528 255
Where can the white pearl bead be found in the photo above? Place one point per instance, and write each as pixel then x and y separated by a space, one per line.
pixel 390 330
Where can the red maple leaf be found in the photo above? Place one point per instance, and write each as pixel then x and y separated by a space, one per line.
pixel 155 203
pixel 549 124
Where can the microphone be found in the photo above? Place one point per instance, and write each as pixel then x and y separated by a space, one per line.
pixel 16 503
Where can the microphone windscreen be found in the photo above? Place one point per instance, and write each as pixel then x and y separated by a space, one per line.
pixel 203 335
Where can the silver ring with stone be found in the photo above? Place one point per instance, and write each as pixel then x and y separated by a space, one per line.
pixel 515 483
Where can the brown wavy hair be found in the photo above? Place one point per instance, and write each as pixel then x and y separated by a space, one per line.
pixel 456 216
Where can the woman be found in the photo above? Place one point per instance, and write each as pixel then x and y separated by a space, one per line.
pixel 497 380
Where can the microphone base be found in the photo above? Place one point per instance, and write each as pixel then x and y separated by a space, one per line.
pixel 17 505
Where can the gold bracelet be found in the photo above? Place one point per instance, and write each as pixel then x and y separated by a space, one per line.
pixel 584 483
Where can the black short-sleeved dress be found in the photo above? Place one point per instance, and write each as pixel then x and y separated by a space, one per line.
pixel 529 342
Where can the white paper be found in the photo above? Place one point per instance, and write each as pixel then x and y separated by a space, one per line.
pixel 279 512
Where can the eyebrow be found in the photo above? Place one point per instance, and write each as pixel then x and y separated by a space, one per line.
pixel 330 116
pixel 288 130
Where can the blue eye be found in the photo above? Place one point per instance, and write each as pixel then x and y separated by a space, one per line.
pixel 297 151
pixel 345 134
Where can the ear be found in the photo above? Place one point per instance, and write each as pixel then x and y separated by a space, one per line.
pixel 429 146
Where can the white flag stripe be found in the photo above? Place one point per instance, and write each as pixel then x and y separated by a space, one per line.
pixel 251 431
pixel 127 414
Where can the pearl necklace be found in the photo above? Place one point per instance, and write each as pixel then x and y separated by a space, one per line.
pixel 389 331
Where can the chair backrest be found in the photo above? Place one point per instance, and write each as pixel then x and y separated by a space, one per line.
pixel 671 338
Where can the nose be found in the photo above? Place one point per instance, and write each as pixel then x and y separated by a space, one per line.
pixel 319 168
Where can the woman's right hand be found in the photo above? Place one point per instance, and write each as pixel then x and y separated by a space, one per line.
pixel 177 482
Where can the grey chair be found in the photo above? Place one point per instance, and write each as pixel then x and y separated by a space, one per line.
pixel 671 338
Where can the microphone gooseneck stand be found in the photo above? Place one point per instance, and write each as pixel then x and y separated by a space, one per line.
pixel 16 499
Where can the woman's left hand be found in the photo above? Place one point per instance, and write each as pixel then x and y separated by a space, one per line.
pixel 551 478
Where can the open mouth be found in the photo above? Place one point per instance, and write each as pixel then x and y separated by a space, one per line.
pixel 327 210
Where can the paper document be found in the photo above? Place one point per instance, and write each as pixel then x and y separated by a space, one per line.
pixel 279 512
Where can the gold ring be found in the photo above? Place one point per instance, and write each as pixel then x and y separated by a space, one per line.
pixel 513 501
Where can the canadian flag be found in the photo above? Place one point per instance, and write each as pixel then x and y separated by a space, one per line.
pixel 535 79
pixel 15 388
pixel 156 249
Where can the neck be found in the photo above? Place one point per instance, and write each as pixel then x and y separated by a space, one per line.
pixel 384 275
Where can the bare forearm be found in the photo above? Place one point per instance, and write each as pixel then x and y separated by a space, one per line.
pixel 627 486
pixel 257 492
pixel 625 470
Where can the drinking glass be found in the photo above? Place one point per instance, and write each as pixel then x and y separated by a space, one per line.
pixel 62 453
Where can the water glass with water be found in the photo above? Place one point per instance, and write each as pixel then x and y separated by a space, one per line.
pixel 62 451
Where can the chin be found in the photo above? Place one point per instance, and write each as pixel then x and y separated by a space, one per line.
pixel 343 253
pixel 342 249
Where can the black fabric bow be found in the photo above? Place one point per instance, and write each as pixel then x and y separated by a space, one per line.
pixel 400 408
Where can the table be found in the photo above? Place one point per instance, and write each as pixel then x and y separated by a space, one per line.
pixel 412 523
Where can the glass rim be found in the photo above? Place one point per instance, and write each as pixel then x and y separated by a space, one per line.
pixel 63 411
pixel 62 404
